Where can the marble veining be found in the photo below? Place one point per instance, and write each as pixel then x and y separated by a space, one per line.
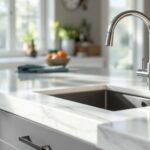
pixel 29 96
pixel 123 135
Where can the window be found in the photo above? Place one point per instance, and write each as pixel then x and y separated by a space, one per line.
pixel 121 54
pixel 27 20
pixel 4 24
pixel 19 17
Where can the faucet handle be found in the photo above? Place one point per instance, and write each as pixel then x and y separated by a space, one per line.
pixel 142 72
pixel 145 72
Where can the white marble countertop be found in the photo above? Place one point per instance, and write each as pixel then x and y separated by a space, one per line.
pixel 125 135
pixel 22 92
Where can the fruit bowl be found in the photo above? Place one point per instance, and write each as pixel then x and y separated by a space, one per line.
pixel 58 61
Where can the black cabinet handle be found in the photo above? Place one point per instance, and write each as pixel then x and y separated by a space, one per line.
pixel 143 104
pixel 27 140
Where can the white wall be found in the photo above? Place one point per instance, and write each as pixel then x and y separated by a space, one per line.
pixel 92 15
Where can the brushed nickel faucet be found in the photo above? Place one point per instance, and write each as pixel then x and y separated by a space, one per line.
pixel 110 36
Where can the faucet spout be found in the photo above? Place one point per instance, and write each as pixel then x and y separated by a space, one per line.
pixel 109 38
pixel 116 20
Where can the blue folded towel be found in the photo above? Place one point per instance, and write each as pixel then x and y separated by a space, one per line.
pixel 41 69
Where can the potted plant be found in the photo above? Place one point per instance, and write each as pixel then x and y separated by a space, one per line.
pixel 54 37
pixel 28 42
pixel 68 34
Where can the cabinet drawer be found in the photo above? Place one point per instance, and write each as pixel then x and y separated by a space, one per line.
pixel 6 146
pixel 12 127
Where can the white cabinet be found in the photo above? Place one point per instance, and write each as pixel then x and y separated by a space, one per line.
pixel 6 146
pixel 12 127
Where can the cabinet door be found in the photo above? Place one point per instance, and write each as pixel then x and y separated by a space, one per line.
pixel 13 127
pixel 6 146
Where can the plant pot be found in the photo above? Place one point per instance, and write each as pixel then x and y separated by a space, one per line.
pixel 29 49
pixel 68 46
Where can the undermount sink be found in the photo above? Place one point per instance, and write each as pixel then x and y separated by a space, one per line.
pixel 106 99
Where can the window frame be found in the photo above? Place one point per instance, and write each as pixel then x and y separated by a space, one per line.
pixel 11 50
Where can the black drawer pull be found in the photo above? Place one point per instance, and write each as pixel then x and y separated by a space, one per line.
pixel 144 104
pixel 27 140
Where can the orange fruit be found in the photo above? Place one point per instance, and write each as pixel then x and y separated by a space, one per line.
pixel 54 56
pixel 49 56
pixel 62 54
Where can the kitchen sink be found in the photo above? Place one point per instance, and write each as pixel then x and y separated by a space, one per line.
pixel 106 99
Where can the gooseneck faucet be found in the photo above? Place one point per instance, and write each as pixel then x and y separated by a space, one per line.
pixel 110 36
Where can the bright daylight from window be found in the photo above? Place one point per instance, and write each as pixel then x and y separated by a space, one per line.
pixel 122 51
pixel 27 21
pixel 4 24
pixel 20 22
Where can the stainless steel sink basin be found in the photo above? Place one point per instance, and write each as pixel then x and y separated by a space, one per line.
pixel 105 99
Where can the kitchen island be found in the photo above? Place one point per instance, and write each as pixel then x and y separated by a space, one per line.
pixel 30 97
